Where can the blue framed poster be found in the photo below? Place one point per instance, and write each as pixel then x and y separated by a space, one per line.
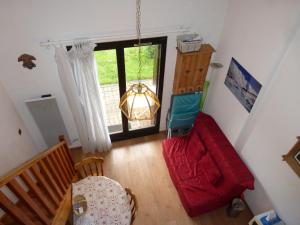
pixel 242 84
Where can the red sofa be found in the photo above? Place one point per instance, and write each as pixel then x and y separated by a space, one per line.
pixel 204 167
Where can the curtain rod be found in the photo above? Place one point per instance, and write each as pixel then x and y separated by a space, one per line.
pixel 115 36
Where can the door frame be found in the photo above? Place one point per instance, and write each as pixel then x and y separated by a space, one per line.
pixel 119 47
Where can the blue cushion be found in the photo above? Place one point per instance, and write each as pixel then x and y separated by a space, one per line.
pixel 184 109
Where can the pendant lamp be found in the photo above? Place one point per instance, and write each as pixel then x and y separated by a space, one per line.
pixel 139 102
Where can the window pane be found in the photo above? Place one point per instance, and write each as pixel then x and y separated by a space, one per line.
pixel 109 85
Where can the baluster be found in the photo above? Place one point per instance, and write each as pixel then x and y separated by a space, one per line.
pixel 65 161
pixel 62 139
pixel 62 166
pixel 43 182
pixel 51 180
pixel 63 186
pixel 68 160
pixel 9 207
pixel 56 163
pixel 37 191
pixel 21 194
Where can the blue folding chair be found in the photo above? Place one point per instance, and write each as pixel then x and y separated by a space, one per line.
pixel 183 111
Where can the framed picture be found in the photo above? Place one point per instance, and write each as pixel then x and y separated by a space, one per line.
pixel 293 157
pixel 242 84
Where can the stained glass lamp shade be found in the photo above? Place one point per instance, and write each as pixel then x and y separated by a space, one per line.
pixel 139 103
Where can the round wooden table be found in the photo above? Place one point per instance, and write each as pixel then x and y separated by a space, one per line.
pixel 107 202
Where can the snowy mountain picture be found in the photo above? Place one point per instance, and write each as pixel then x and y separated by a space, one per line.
pixel 244 86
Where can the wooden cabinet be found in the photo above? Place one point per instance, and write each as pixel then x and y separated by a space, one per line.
pixel 191 70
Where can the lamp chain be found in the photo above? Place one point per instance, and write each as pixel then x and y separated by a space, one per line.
pixel 138 33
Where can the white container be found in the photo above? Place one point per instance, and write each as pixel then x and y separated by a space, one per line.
pixel 189 46
pixel 261 219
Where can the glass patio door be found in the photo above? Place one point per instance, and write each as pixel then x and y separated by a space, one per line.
pixel 117 64
pixel 109 88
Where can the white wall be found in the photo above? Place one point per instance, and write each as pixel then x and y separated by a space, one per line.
pixel 261 35
pixel 274 134
pixel 14 148
pixel 256 33
pixel 25 23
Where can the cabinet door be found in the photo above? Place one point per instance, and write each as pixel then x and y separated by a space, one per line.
pixel 185 71
pixel 191 70
pixel 203 60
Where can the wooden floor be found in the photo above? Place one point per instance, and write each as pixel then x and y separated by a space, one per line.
pixel 139 165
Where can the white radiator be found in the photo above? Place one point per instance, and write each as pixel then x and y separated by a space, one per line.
pixel 47 116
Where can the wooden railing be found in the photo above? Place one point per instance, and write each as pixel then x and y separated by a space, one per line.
pixel 39 191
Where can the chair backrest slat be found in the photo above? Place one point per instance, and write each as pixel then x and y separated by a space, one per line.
pixel 91 168
pixel 133 204
pixel 85 170
pixel 98 170
pixel 102 171
pixel 23 195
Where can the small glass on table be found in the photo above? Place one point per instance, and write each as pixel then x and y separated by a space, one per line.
pixel 79 205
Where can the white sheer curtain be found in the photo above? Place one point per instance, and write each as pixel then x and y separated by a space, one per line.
pixel 79 78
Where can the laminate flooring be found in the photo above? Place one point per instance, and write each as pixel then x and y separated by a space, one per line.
pixel 139 164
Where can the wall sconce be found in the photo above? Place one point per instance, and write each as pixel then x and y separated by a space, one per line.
pixel 216 65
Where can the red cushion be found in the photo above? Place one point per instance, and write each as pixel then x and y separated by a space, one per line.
pixel 210 169
pixel 194 149
pixel 179 161
pixel 222 151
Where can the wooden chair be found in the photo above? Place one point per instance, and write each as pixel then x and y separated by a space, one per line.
pixel 90 166
pixel 133 204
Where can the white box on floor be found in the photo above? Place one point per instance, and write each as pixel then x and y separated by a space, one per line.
pixel 261 219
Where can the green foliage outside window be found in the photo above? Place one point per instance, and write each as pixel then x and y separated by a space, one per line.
pixel 107 64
